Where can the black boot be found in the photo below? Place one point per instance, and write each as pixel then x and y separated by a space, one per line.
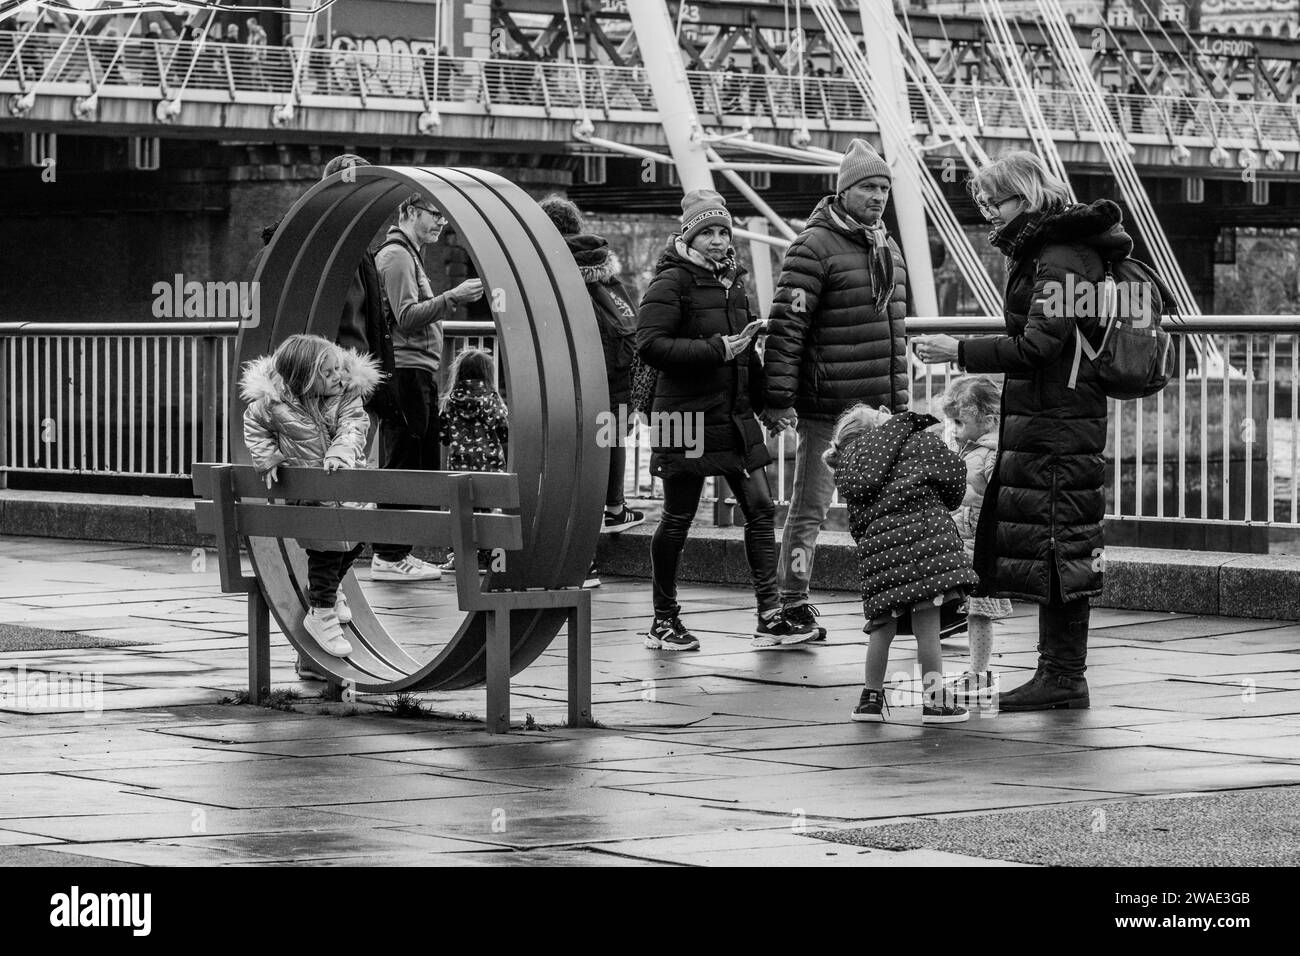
pixel 1047 692
pixel 1062 660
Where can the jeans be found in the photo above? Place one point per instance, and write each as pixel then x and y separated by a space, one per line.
pixel 681 499
pixel 325 570
pixel 814 484
pixel 413 445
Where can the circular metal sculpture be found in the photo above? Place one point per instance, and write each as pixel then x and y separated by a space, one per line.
pixel 555 379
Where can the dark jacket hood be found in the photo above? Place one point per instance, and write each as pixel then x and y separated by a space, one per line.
pixel 1098 224
pixel 595 260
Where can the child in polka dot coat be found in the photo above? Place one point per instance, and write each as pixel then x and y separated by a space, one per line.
pixel 474 421
pixel 474 426
pixel 900 483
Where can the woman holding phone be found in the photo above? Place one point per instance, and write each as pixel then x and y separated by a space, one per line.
pixel 695 326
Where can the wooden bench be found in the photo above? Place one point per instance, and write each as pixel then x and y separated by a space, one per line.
pixel 237 506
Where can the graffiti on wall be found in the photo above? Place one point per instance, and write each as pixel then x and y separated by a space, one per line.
pixel 388 66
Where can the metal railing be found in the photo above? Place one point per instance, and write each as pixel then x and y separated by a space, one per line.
pixel 146 398
pixel 149 399
pixel 238 72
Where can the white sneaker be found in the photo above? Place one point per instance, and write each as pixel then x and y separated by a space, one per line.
pixel 342 609
pixel 323 625
pixel 410 568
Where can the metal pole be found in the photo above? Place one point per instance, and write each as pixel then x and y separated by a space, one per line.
pixel 909 206
pixel 672 91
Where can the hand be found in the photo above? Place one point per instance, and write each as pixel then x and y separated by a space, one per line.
pixel 936 349
pixel 740 341
pixel 470 290
pixel 272 476
pixel 778 420
pixel 334 464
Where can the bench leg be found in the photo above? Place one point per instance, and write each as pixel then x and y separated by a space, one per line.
pixel 580 662
pixel 259 647
pixel 498 671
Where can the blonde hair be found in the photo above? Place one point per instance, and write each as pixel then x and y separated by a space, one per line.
pixel 975 394
pixel 299 361
pixel 858 420
pixel 1020 173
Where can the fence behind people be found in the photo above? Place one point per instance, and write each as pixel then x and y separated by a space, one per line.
pixel 149 400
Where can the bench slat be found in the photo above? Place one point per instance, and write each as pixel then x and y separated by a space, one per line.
pixel 428 489
pixel 254 519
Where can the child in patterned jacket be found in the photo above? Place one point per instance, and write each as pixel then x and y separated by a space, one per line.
pixel 474 424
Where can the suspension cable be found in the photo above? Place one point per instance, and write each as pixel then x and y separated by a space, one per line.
pixel 573 55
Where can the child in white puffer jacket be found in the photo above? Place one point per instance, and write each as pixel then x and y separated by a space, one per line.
pixel 973 405
pixel 307 408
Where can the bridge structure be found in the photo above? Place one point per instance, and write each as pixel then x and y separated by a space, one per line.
pixel 562 93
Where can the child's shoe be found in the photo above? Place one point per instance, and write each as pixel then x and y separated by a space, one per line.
pixel 670 634
pixel 776 630
pixel 323 625
pixel 342 609
pixel 940 711
pixel 871 708
pixel 971 688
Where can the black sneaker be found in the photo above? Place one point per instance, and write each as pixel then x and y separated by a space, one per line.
pixel 804 615
pixel 778 630
pixel 670 634
pixel 615 523
pixel 871 708
pixel 593 577
pixel 943 712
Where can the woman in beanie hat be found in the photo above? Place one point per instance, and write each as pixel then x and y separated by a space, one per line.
pixel 616 318
pixel 697 329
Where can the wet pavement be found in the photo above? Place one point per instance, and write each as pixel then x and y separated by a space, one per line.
pixel 726 756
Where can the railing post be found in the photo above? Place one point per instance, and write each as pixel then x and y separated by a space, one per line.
pixel 210 363
pixel 4 411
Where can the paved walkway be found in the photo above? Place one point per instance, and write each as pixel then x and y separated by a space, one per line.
pixel 726 756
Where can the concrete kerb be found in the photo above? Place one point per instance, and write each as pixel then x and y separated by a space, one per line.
pixel 1184 582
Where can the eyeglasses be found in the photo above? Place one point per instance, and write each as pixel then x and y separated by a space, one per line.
pixel 432 212
pixel 989 208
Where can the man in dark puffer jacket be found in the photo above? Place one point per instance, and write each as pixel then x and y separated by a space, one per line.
pixel 836 339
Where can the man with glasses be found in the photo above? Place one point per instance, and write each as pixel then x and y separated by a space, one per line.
pixel 416 315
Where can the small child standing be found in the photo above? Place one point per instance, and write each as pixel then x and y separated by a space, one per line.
pixel 474 424
pixel 307 409
pixel 900 484
pixel 973 405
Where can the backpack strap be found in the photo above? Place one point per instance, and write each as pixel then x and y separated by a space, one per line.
pixel 1081 347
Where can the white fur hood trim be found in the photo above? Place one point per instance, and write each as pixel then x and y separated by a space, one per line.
pixel 361 376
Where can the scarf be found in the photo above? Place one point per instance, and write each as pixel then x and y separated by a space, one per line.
pixel 1015 237
pixel 876 237
pixel 724 271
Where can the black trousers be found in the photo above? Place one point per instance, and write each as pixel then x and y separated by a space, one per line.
pixel 681 499
pixel 1063 631
pixel 412 444
pixel 325 570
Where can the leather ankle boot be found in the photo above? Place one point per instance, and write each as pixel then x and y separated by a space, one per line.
pixel 1051 692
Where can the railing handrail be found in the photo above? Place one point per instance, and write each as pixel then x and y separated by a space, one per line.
pixel 959 324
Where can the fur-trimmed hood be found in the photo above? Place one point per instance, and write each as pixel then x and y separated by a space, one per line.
pixel 361 376
pixel 1098 224
pixel 596 261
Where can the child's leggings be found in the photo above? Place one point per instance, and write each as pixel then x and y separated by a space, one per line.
pixel 925 625
pixel 325 569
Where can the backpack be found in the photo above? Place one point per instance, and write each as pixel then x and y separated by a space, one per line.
pixel 1132 360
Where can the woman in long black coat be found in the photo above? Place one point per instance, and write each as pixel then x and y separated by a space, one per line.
pixel 1039 536
pixel 694 325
